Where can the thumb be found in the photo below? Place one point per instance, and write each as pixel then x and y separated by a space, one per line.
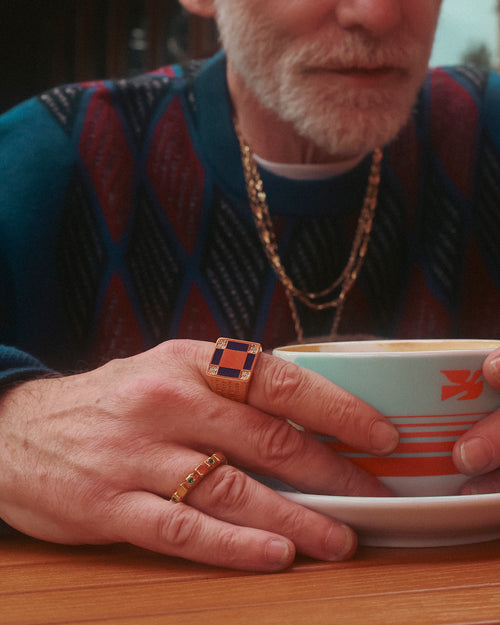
pixel 491 369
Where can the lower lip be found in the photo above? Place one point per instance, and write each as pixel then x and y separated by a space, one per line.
pixel 362 78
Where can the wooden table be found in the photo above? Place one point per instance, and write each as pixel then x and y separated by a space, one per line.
pixel 121 585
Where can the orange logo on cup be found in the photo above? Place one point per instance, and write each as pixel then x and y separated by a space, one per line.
pixel 463 381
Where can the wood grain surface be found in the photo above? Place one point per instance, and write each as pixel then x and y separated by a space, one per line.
pixel 43 584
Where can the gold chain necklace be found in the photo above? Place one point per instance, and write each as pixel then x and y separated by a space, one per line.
pixel 265 229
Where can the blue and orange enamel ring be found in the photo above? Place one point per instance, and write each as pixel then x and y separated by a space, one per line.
pixel 230 370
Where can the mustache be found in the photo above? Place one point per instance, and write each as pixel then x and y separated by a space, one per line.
pixel 351 50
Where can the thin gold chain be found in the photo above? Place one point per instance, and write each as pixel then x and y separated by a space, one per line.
pixel 265 229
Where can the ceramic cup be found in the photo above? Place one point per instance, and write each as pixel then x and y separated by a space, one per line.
pixel 433 391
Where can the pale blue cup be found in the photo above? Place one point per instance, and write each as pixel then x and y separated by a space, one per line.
pixel 432 390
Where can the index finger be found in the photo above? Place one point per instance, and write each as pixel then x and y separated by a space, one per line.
pixel 287 391
pixel 284 390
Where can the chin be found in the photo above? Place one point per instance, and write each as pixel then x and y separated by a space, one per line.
pixel 352 132
pixel 344 121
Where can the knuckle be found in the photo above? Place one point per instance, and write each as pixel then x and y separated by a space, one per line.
pixel 345 414
pixel 178 528
pixel 283 382
pixel 280 441
pixel 138 394
pixel 293 522
pixel 229 492
pixel 189 354
pixel 177 348
pixel 228 545
pixel 137 387
pixel 350 483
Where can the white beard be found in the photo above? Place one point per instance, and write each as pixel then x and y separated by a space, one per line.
pixel 340 120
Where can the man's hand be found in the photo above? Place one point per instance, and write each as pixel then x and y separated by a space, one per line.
pixel 477 453
pixel 94 457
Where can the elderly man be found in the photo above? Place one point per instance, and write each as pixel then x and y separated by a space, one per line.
pixel 312 179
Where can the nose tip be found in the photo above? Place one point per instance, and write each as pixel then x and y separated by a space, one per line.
pixel 379 17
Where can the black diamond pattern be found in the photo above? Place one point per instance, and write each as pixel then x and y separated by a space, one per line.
pixel 80 274
pixel 316 257
pixel 138 99
pixel 488 211
pixel 155 268
pixel 62 103
pixel 442 240
pixel 383 273
pixel 317 253
pixel 235 267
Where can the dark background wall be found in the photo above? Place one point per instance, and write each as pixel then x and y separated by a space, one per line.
pixel 49 42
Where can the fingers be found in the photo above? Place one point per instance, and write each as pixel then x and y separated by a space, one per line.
pixel 147 521
pixel 285 390
pixel 277 449
pixel 478 451
pixel 491 369
pixel 263 444
pixel 307 466
pixel 254 528
pixel 234 497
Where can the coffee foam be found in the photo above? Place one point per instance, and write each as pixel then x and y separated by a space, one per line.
pixel 416 345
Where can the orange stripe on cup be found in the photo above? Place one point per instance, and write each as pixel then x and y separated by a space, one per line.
pixel 414 465
pixel 407 467
pixel 427 434
pixel 422 448
pixel 402 448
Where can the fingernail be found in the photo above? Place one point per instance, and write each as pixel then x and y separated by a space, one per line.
pixel 475 454
pixel 493 362
pixel 383 437
pixel 278 553
pixel 340 543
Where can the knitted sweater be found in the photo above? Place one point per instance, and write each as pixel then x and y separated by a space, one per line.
pixel 124 221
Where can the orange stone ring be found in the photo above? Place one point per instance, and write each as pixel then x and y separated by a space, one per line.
pixel 231 367
pixel 201 471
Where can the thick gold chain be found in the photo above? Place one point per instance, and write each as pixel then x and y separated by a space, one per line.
pixel 265 229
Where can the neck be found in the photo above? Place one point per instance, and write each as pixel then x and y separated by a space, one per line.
pixel 272 138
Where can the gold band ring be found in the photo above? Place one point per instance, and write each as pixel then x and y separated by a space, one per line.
pixel 231 367
pixel 201 471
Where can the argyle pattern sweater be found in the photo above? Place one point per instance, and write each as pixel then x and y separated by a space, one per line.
pixel 124 222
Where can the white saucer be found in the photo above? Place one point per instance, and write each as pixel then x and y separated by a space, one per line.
pixel 412 521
